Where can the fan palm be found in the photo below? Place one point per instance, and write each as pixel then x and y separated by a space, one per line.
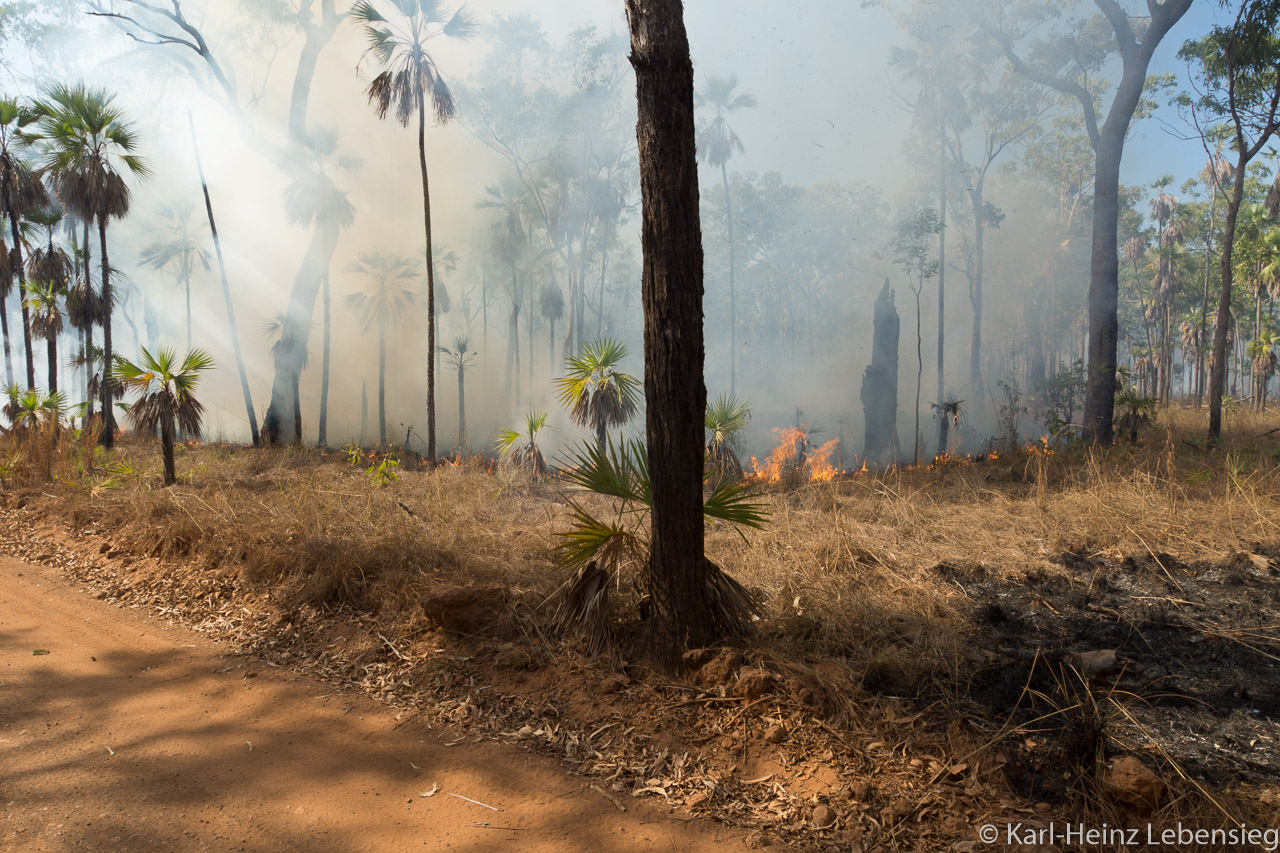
pixel 726 422
pixel 30 409
pixel 551 309
pixel 717 143
pixel 6 287
pixel 20 190
pixel 458 358
pixel 1263 351
pixel 597 394
pixel 387 291
pixel 91 150
pixel 44 301
pixel 180 248
pixel 599 549
pixel 166 390
pixel 408 79
pixel 525 456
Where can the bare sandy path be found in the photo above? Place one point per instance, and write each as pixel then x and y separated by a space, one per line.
pixel 136 735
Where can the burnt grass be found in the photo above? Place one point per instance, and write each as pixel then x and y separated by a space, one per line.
pixel 1199 643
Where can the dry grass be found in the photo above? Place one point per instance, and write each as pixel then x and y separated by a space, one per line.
pixel 854 573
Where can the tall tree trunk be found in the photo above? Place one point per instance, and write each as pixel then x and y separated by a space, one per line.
pixel 915 459
pixel 16 254
pixel 166 448
pixel 733 295
pixel 1103 299
pixel 1218 375
pixel 382 383
pixel 88 326
pixel 226 291
pixel 322 438
pixel 290 353
pixel 431 281
pixel 1204 303
pixel 51 346
pixel 462 408
pixel 975 294
pixel 8 354
pixel 672 287
pixel 108 398
pixel 942 271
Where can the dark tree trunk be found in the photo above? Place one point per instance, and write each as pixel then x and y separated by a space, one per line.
pixel 108 398
pixel 880 381
pixel 431 282
pixel 88 326
pixel 51 346
pixel 1103 300
pixel 322 437
pixel 16 255
pixel 8 354
pixel 166 448
pixel 675 393
pixel 1218 375
pixel 226 293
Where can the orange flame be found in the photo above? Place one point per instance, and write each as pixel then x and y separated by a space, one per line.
pixel 785 459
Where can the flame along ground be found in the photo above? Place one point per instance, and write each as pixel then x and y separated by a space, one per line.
pixel 796 457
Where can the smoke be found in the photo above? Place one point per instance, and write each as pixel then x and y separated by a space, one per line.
pixel 830 161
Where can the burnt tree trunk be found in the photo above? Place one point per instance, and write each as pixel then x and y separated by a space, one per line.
pixel 880 381
pixel 675 393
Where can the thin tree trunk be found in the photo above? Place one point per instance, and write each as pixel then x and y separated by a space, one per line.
pixel 672 290
pixel 88 326
pixel 431 281
pixel 226 292
pixel 16 252
pixel 919 376
pixel 975 300
pixel 1218 376
pixel 8 354
pixel 108 408
pixel 942 268
pixel 322 437
pixel 462 407
pixel 382 383
pixel 733 295
pixel 52 349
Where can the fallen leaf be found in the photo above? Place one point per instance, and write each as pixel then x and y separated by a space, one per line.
pixel 40 652
pixel 435 787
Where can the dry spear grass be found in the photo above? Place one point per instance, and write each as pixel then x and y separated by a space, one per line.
pixel 846 570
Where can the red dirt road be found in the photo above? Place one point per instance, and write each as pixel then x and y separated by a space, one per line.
pixel 137 735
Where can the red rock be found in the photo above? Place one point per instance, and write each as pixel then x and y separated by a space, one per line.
pixel 754 683
pixel 720 669
pixel 1132 783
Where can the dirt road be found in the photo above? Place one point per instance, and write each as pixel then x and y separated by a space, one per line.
pixel 131 734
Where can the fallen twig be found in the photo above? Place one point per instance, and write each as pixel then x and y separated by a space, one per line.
pixel 476 802
pixel 610 797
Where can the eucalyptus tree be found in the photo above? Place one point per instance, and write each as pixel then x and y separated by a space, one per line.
pixel 167 30
pixel 387 291
pixel 717 143
pixel 180 248
pixel 911 252
pixel 1069 60
pixel 91 149
pixel 313 198
pixel 20 190
pixel 1235 79
pixel 940 70
pixel 408 79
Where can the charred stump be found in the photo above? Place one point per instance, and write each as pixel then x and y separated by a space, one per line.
pixel 880 380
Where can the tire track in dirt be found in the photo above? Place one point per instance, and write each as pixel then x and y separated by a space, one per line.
pixel 132 734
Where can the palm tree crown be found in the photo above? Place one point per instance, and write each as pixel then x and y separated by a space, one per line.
pixel 596 393
pixel 166 396
pixel 717 141
pixel 387 289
